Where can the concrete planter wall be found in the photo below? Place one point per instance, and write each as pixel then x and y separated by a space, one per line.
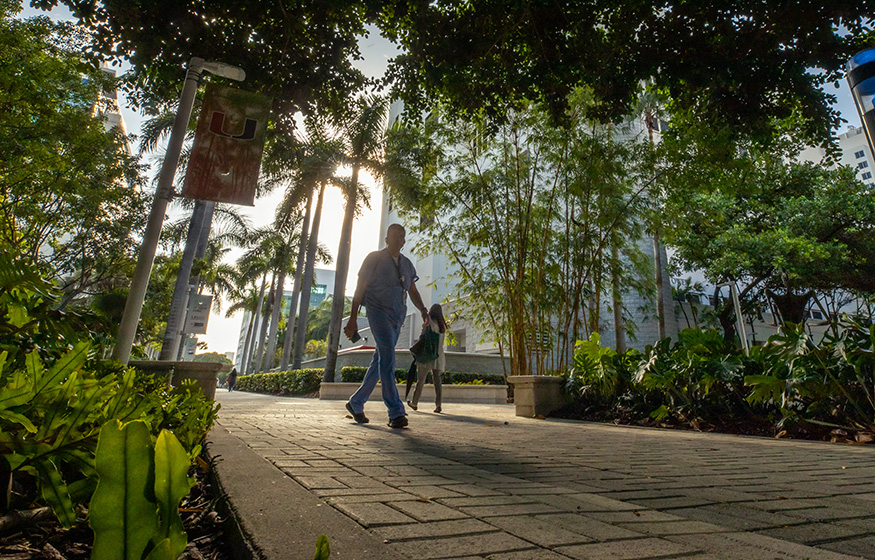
pixel 475 394
pixel 204 373
pixel 537 395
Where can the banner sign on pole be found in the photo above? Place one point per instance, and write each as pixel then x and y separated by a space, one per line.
pixel 226 155
pixel 198 314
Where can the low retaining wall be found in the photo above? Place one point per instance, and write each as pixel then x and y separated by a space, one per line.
pixel 473 394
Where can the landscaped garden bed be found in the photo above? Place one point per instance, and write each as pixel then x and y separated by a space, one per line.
pixel 788 387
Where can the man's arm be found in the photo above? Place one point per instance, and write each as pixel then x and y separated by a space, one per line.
pixel 417 301
pixel 357 298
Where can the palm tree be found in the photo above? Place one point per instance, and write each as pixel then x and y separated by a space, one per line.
pixel 252 266
pixel 316 169
pixel 364 133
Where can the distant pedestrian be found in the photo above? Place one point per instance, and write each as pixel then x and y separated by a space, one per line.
pixel 232 379
pixel 438 325
pixel 385 279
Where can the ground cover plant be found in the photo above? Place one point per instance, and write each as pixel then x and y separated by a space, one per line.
pixel 790 386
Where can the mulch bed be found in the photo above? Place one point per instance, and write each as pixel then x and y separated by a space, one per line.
pixel 44 538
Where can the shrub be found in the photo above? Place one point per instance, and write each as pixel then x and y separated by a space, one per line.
pixel 355 374
pixel 787 382
pixel 294 382
pixel 458 378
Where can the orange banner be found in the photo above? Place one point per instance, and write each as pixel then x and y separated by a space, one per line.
pixel 226 155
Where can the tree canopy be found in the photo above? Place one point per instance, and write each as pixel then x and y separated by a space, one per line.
pixel 763 220
pixel 743 63
pixel 299 52
pixel 749 64
pixel 68 196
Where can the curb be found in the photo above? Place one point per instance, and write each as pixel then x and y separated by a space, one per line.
pixel 274 517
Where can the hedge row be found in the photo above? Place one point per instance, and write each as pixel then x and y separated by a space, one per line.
pixel 294 382
pixel 306 381
pixel 355 374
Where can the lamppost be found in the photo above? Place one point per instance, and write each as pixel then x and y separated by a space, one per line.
pixel 140 281
pixel 861 79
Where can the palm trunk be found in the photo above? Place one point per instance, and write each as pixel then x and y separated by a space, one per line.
pixel 296 288
pixel 307 286
pixel 247 343
pixel 342 271
pixel 256 318
pixel 270 358
pixel 173 331
pixel 265 322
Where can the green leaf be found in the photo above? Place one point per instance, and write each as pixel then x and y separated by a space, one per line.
pixel 55 493
pixel 172 484
pixel 64 367
pixel 18 419
pixel 123 513
pixel 764 388
pixel 660 413
pixel 162 551
pixel 323 552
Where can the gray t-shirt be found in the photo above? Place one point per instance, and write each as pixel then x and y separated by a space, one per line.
pixel 388 283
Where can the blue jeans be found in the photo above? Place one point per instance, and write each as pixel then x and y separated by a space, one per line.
pixel 385 330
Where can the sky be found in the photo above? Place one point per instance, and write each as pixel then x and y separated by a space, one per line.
pixel 223 332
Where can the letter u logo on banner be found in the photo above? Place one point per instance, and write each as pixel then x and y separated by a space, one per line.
pixel 217 126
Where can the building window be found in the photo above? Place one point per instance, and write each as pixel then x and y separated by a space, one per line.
pixel 859 154
pixel 866 176
pixel 863 165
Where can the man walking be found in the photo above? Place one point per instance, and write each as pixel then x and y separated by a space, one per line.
pixel 385 279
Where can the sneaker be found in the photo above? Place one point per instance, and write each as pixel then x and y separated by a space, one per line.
pixel 438 410
pixel 411 405
pixel 360 418
pixel 399 422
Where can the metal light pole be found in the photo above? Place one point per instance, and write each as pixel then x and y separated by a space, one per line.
pixel 861 79
pixel 163 193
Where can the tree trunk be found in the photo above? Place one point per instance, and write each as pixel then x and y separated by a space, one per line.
pixel 660 284
pixel 246 343
pixel 617 303
pixel 170 346
pixel 265 323
pixel 256 318
pixel 296 288
pixel 342 271
pixel 307 286
pixel 270 359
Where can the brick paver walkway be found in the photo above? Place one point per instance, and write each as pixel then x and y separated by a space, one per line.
pixel 479 482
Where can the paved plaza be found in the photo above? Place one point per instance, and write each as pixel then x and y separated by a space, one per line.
pixel 478 482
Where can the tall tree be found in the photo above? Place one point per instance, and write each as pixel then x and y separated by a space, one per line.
pixel 778 227
pixel 528 213
pixel 69 191
pixel 742 63
pixel 363 131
